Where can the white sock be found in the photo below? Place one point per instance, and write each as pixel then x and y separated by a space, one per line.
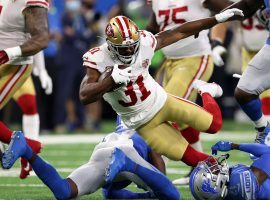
pixel 262 122
pixel 197 146
pixel 31 126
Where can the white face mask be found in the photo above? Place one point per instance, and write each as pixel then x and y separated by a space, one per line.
pixel 73 5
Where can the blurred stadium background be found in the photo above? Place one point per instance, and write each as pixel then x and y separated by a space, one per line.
pixel 70 130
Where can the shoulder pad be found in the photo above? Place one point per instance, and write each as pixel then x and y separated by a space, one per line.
pixel 93 57
pixel 148 39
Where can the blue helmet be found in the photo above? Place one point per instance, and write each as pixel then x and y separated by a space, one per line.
pixel 243 183
pixel 210 178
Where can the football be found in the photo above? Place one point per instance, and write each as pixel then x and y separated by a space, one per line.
pixel 108 71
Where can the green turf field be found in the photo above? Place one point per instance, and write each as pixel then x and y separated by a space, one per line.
pixel 66 157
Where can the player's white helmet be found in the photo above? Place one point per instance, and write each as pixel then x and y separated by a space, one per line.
pixel 210 178
pixel 123 39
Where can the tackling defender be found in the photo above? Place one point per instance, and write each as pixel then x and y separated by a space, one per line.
pixel 122 157
pixel 140 101
pixel 213 180
pixel 23 33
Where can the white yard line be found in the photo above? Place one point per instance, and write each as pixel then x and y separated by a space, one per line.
pixel 14 172
pixel 95 138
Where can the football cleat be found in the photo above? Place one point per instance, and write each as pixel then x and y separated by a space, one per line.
pixel 25 165
pixel 118 164
pixel 203 87
pixel 16 149
pixel 262 137
pixel 181 181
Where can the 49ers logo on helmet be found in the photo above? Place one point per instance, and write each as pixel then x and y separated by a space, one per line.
pixel 109 31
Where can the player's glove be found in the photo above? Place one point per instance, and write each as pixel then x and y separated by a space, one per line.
pixel 46 82
pixel 121 76
pixel 221 146
pixel 227 14
pixel 217 52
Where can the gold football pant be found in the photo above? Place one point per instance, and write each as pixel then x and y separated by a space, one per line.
pixel 12 78
pixel 27 88
pixel 176 75
pixel 165 139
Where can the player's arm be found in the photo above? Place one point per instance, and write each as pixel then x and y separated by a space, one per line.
pixel 152 25
pixel 157 161
pixel 253 148
pixel 36 23
pixel 91 89
pixel 249 7
pixel 173 35
pixel 216 6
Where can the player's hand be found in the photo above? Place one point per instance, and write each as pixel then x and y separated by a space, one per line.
pixel 217 52
pixel 46 82
pixel 227 14
pixel 221 146
pixel 121 76
pixel 3 57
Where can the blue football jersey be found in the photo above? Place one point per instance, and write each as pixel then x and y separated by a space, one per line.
pixel 263 163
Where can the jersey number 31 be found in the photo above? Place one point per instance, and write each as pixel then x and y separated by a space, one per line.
pixel 130 92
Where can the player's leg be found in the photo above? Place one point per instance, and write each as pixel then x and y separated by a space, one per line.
pixel 252 83
pixel 180 74
pixel 166 140
pixel 84 180
pixel 265 96
pixel 205 119
pixel 25 97
pixel 126 158
pixel 47 173
pixel 178 78
pixel 12 77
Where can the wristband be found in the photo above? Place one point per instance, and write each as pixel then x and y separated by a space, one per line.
pixel 13 52
pixel 215 43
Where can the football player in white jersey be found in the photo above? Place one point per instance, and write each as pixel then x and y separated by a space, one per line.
pixel 23 33
pixel 140 101
pixel 188 59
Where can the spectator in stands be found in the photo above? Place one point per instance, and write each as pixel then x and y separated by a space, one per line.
pixel 77 38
